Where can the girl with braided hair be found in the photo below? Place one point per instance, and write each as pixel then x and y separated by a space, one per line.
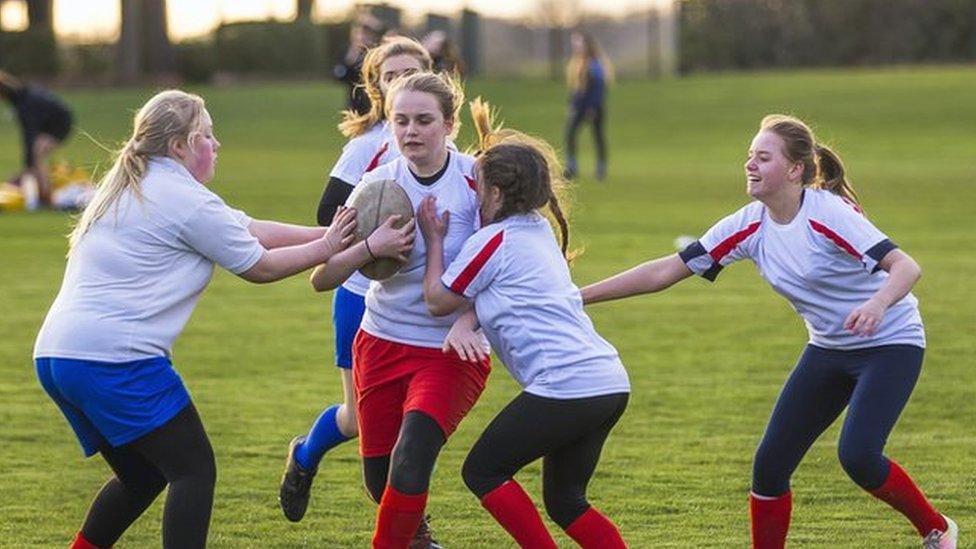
pixel 574 386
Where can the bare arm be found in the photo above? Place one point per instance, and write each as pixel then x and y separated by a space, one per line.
pixel 285 261
pixel 385 241
pixel 652 276
pixel 903 273
pixel 440 300
pixel 272 234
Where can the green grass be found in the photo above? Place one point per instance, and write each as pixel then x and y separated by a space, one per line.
pixel 706 362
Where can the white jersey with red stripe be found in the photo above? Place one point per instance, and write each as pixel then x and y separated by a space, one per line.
pixel 361 155
pixel 532 312
pixel 395 308
pixel 824 261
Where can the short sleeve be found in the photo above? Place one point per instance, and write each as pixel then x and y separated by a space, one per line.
pixel 477 264
pixel 723 244
pixel 218 233
pixel 357 158
pixel 846 227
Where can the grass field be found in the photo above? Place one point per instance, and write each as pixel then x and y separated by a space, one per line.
pixel 706 362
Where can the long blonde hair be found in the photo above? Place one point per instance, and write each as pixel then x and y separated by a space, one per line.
pixel 354 124
pixel 526 171
pixel 578 67
pixel 822 167
pixel 168 116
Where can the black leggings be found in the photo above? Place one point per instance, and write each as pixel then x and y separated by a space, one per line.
pixel 577 116
pixel 178 454
pixel 411 465
pixel 874 384
pixel 567 434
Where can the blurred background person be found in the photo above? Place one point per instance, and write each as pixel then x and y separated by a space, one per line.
pixel 365 33
pixel 587 74
pixel 444 52
pixel 45 122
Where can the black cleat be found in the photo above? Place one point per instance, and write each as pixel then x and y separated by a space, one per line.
pixel 295 486
pixel 424 538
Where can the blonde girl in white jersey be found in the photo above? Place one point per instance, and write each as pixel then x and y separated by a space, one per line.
pixel 370 146
pixel 574 385
pixel 810 240
pixel 140 257
pixel 411 396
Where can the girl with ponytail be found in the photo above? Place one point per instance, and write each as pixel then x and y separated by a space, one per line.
pixel 807 235
pixel 140 256
pixel 516 276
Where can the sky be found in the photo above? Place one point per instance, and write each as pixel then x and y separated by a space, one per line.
pixel 92 20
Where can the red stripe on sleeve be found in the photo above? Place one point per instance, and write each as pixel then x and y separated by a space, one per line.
pixel 471 183
pixel 472 269
pixel 836 239
pixel 729 244
pixel 376 158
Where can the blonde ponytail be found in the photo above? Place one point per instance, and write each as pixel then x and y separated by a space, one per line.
pixel 167 116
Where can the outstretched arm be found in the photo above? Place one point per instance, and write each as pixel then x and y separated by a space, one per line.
pixel 272 234
pixel 652 276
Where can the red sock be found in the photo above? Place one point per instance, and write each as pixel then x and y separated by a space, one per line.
pixel 900 492
pixel 397 519
pixel 81 543
pixel 770 520
pixel 514 510
pixel 593 530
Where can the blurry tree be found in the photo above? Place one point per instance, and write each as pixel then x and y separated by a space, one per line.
pixel 557 16
pixel 39 14
pixel 144 46
pixel 303 10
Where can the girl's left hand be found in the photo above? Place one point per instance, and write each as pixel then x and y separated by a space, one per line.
pixel 864 320
pixel 432 226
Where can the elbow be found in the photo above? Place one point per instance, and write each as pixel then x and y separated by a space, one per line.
pixel 439 309
pixel 320 284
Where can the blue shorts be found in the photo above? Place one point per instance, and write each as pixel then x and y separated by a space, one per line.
pixel 113 402
pixel 347 314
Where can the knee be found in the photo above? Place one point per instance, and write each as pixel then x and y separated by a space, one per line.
pixel 347 422
pixel 412 464
pixel 476 476
pixel 564 505
pixel 866 466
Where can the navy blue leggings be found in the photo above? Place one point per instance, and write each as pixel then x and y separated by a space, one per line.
pixel 873 383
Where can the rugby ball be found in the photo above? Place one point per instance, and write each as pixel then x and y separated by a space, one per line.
pixel 375 202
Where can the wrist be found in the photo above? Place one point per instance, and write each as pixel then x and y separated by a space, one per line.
pixel 369 250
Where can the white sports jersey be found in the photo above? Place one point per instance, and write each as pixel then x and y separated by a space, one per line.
pixel 532 312
pixel 824 261
pixel 133 279
pixel 360 155
pixel 395 308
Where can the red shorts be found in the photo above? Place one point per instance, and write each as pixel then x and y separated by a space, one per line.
pixel 394 378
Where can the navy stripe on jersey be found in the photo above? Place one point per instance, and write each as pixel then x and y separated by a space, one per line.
pixel 695 252
pixel 879 250
pixel 464 279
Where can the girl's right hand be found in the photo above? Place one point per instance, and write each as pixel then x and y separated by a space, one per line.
pixel 342 231
pixel 388 241
pixel 432 226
